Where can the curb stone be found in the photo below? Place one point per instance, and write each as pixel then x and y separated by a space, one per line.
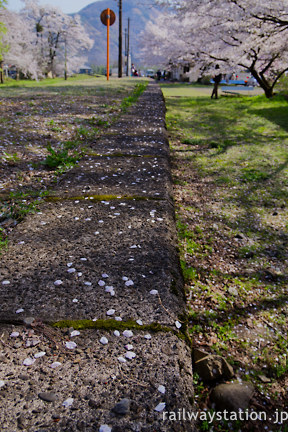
pixel 103 247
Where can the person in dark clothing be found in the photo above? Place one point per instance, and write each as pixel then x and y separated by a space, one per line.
pixel 217 79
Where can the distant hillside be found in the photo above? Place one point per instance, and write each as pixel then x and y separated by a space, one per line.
pixel 139 12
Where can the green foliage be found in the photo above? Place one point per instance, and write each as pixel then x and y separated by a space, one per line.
pixel 3 240
pixel 252 175
pixel 189 273
pixel 60 158
pixel 130 100
pixel 20 204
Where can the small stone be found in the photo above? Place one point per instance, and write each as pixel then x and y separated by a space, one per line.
pixel 264 378
pixel 48 397
pixel 122 407
pixel 213 367
pixel 232 397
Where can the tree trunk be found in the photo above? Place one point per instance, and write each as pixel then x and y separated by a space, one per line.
pixel 263 83
pixel 1 72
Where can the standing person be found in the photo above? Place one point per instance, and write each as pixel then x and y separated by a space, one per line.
pixel 132 69
pixel 217 79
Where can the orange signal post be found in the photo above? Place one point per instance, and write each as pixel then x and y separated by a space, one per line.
pixel 108 26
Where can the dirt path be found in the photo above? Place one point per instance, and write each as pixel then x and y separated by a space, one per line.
pixel 101 249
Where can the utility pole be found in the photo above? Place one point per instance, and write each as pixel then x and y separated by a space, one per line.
pixel 128 48
pixel 120 41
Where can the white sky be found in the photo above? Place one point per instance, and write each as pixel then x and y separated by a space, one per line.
pixel 67 6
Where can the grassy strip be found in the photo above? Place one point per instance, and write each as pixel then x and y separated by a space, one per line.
pixel 230 169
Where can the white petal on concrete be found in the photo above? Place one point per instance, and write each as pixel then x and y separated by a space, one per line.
pixel 19 310
pixel 68 402
pixel 178 324
pixel 105 428
pixel 70 345
pixel 128 333
pixel 58 282
pixel 104 340
pixel 55 365
pixel 110 312
pixel 40 354
pixel 154 292
pixel 14 334
pixel 28 361
pixel 160 407
pixel 130 355
pixel 121 359
pixel 117 333
pixel 74 333
pixel 162 389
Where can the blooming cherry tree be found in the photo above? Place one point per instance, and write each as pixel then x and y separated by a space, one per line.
pixel 233 33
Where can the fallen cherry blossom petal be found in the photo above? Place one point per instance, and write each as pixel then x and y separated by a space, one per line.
pixel 6 282
pixel 128 333
pixel 70 345
pixel 101 283
pixel 139 322
pixel 130 355
pixel 28 361
pixel 14 334
pixel 154 292
pixel 74 333
pixel 117 333
pixel 110 312
pixel 121 359
pixel 104 340
pixel 105 428
pixel 161 389
pixel 75 300
pixel 68 402
pixel 58 282
pixel 129 283
pixel 19 310
pixel 39 354
pixel 178 324
pixel 160 407
pixel 129 347
pixel 2 383
pixel 71 270
pixel 55 365
pixel 105 275
pixel 118 318
pixel 148 336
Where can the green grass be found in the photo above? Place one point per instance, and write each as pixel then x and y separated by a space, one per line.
pixel 230 170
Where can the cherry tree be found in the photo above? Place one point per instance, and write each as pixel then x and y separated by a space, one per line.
pixel 234 33
pixel 59 39
pixel 2 45
pixel 19 43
